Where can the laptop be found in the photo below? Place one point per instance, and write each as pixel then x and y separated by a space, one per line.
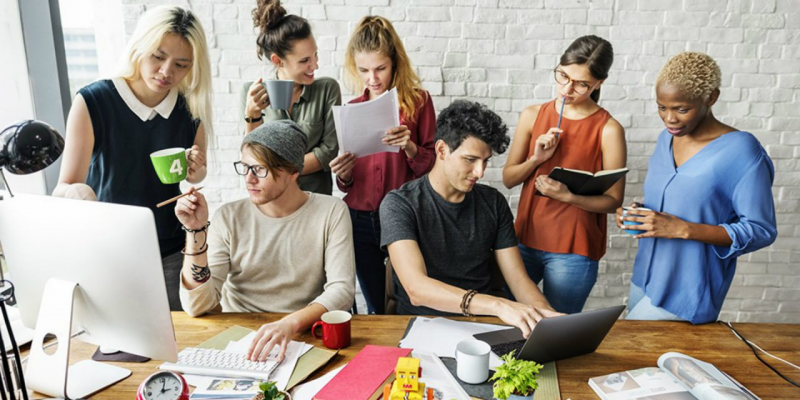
pixel 556 338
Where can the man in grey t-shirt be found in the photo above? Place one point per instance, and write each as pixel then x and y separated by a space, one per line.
pixel 443 229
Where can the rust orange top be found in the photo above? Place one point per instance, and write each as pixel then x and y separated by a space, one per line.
pixel 551 225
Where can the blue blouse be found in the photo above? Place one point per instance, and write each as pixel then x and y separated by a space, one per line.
pixel 727 183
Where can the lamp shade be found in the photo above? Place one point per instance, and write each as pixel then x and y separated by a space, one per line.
pixel 29 146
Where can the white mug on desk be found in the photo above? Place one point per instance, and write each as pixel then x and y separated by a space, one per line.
pixel 472 361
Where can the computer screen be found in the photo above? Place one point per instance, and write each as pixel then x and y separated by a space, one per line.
pixel 111 251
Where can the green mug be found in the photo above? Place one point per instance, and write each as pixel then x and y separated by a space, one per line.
pixel 170 164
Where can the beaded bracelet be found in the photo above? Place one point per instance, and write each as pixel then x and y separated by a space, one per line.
pixel 204 246
pixel 465 302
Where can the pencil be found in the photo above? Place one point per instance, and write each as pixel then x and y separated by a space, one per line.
pixel 561 114
pixel 174 199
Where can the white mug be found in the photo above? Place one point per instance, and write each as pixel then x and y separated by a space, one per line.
pixel 472 361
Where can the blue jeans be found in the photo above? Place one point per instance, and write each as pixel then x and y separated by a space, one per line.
pixel 640 307
pixel 568 278
pixel 370 259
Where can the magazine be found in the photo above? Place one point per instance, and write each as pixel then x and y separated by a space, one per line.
pixel 678 377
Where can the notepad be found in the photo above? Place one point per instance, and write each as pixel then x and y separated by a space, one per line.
pixel 585 183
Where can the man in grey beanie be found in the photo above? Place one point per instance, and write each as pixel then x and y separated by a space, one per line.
pixel 280 250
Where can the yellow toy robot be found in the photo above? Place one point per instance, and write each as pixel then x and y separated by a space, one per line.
pixel 407 385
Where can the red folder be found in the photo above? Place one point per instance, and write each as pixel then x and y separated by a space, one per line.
pixel 365 375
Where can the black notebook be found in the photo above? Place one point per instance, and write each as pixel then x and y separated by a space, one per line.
pixel 585 183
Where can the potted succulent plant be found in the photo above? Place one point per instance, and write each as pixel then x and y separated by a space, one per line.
pixel 515 379
pixel 269 391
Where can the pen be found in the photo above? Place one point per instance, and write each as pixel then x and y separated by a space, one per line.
pixel 561 114
pixel 174 199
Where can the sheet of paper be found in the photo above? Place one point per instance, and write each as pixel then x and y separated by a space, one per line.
pixel 307 390
pixel 283 372
pixel 441 335
pixel 435 375
pixel 360 127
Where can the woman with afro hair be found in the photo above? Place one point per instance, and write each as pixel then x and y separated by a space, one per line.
pixel 708 191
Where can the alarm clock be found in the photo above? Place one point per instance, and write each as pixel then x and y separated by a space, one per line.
pixel 163 385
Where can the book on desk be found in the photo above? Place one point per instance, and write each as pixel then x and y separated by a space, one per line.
pixel 585 183
pixel 365 375
pixel 677 377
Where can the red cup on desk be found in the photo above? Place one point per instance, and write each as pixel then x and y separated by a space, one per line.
pixel 335 329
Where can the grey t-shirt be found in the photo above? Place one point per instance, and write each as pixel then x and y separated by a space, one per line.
pixel 457 240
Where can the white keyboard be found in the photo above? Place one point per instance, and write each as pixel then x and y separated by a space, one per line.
pixel 210 362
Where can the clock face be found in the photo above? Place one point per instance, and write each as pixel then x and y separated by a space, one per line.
pixel 165 386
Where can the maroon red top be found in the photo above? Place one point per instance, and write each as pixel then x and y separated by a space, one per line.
pixel 375 175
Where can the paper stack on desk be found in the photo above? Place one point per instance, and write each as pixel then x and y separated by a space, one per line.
pixel 231 388
pixel 441 335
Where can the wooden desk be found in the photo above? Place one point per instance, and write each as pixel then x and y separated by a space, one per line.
pixel 629 345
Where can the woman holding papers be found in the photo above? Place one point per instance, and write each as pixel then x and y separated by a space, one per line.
pixel 563 235
pixel 709 187
pixel 288 44
pixel 376 62
pixel 160 99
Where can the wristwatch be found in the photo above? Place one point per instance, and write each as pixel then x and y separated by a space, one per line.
pixel 251 120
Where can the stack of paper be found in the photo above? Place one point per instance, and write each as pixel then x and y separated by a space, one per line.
pixel 441 335
pixel 360 127
pixel 307 390
pixel 230 388
pixel 437 376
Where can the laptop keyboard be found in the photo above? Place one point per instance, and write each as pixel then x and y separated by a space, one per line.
pixel 504 348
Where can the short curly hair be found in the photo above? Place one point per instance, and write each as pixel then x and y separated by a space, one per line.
pixel 463 119
pixel 696 75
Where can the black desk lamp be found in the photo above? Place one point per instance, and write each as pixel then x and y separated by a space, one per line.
pixel 25 147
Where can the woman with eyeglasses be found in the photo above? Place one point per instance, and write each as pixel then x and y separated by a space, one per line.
pixel 563 235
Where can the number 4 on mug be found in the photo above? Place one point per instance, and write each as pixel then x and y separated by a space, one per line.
pixel 176 167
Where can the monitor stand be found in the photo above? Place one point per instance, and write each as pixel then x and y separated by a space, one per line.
pixel 47 373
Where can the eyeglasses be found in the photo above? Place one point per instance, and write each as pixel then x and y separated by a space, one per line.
pixel 580 87
pixel 257 170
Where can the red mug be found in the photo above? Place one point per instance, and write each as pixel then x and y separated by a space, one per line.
pixel 335 329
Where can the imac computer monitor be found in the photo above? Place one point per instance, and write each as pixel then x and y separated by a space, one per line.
pixel 110 251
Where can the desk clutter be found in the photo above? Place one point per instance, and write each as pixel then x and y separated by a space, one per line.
pixel 423 367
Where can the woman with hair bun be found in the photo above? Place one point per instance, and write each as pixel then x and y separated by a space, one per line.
pixel 709 194
pixel 376 61
pixel 160 99
pixel 287 43
pixel 563 235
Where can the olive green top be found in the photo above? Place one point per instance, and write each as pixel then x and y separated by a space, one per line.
pixel 313 112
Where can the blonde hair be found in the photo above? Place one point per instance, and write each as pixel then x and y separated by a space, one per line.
pixel 695 75
pixel 150 31
pixel 376 34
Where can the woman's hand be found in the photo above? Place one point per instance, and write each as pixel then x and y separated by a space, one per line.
pixel 546 145
pixel 552 188
pixel 257 99
pixel 621 212
pixel 658 225
pixel 195 160
pixel 343 165
pixel 278 333
pixel 400 136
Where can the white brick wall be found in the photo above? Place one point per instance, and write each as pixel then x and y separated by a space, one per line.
pixel 500 52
